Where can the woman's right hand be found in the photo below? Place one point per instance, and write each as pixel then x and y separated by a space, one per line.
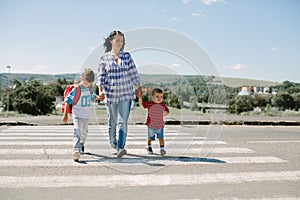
pixel 139 92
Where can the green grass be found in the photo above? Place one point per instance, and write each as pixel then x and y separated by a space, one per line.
pixel 12 114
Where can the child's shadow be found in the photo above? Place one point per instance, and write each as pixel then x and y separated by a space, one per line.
pixel 148 159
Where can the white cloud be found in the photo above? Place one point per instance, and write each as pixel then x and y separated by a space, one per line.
pixel 198 13
pixel 38 68
pixel 174 19
pixel 210 2
pixel 236 67
pixel 185 1
pixel 176 65
pixel 274 49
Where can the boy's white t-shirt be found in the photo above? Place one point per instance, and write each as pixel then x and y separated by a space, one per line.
pixel 82 108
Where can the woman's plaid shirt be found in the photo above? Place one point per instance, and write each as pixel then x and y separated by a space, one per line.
pixel 117 79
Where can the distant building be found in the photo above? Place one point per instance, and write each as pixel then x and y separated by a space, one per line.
pixel 274 91
pixel 244 91
pixel 266 90
pixel 257 89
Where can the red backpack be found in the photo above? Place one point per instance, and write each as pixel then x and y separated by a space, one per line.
pixel 76 98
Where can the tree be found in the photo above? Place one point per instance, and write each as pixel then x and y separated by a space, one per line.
pixel 174 101
pixel 31 97
pixel 261 100
pixel 283 101
pixel 239 104
pixel 58 87
pixel 296 98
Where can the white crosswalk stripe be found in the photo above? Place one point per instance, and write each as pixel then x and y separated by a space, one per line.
pixel 139 180
pixel 36 147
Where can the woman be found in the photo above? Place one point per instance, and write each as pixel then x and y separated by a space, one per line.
pixel 117 78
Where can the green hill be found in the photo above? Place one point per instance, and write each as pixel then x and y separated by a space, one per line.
pixel 146 78
pixel 44 78
pixel 231 82
pixel 239 82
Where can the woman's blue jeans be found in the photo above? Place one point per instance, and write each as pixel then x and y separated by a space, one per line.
pixel 118 114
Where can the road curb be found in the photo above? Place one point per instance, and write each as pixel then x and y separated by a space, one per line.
pixel 175 122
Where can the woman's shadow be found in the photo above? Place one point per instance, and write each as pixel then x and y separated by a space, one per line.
pixel 151 160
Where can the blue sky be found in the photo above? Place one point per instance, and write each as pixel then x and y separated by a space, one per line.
pixel 256 39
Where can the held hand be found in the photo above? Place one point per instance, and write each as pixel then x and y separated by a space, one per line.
pixel 139 92
pixel 101 96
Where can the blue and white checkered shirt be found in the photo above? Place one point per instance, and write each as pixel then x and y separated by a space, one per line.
pixel 117 79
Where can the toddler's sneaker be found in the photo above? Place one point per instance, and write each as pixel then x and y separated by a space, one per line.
pixel 76 156
pixel 121 153
pixel 150 150
pixel 163 152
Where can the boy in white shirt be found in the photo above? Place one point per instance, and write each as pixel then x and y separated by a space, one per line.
pixel 81 110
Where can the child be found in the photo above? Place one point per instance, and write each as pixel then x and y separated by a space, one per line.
pixel 156 110
pixel 81 111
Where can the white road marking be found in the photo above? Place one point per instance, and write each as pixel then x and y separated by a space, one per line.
pixel 89 137
pixel 103 142
pixel 139 151
pixel 263 198
pixel 275 141
pixel 146 179
pixel 137 161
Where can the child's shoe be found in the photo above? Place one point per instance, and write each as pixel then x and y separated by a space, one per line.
pixel 76 156
pixel 163 152
pixel 150 150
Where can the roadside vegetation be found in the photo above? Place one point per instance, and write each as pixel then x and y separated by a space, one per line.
pixel 194 93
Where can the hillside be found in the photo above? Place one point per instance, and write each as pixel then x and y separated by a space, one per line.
pixel 44 78
pixel 238 82
pixel 146 78
pixel 231 82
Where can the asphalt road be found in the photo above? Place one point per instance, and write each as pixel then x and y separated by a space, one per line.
pixel 202 162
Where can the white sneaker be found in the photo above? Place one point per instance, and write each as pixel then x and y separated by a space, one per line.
pixel 121 153
pixel 114 151
pixel 163 152
pixel 76 156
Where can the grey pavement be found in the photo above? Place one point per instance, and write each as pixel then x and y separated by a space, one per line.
pixel 202 162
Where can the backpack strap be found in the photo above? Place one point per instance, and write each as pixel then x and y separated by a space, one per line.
pixel 78 93
pixel 91 89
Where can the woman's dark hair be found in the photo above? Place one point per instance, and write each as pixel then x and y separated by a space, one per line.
pixel 107 41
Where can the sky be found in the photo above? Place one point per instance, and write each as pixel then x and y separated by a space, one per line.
pixel 251 39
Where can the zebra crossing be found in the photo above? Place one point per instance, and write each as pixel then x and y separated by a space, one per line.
pixel 36 147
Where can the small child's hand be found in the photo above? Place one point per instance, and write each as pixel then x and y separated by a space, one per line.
pixel 100 97
pixel 139 92
pixel 165 113
pixel 65 119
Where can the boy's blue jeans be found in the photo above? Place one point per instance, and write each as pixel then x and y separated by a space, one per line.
pixel 80 132
pixel 118 114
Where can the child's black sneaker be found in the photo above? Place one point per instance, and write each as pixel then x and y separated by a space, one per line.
pixel 150 150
